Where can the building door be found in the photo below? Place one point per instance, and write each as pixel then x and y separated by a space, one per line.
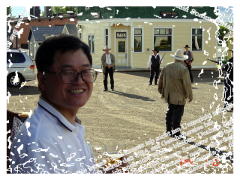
pixel 121 48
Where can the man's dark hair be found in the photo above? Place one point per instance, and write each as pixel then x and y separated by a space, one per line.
pixel 58 44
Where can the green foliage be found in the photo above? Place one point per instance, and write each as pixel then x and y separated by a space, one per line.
pixel 9 10
pixel 222 32
pixel 63 9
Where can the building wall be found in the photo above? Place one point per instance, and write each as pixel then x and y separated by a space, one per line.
pixel 181 35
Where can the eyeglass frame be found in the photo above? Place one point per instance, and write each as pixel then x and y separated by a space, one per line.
pixel 76 75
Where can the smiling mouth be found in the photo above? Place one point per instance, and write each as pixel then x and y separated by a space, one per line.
pixel 77 91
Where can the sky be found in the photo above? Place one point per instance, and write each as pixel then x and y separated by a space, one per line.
pixel 23 11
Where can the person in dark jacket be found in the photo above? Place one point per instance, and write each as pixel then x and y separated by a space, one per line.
pixel 189 61
pixel 228 84
pixel 154 65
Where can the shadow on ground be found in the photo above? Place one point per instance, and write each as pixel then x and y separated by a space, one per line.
pixel 25 90
pixel 198 76
pixel 213 151
pixel 133 96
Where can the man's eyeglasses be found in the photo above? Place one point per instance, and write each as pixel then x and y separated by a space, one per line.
pixel 69 76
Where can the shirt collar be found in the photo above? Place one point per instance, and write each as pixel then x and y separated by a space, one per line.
pixel 56 114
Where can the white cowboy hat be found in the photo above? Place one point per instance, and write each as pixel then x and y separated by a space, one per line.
pixel 179 55
pixel 106 48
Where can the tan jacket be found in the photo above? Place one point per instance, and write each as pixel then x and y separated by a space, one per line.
pixel 175 84
pixel 103 60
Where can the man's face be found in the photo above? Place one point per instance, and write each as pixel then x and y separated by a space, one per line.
pixel 186 48
pixel 71 96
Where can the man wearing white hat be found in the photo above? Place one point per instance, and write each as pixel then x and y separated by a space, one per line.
pixel 175 87
pixel 108 67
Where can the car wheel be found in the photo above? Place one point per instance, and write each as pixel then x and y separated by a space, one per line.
pixel 14 80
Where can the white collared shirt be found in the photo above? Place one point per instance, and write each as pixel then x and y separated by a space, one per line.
pixel 149 63
pixel 108 59
pixel 49 143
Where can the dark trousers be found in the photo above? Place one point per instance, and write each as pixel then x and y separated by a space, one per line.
pixel 190 73
pixel 108 71
pixel 174 117
pixel 228 91
pixel 154 72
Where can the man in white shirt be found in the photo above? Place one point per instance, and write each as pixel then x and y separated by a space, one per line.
pixel 52 139
pixel 108 67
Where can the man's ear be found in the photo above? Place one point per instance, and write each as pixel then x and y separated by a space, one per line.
pixel 41 81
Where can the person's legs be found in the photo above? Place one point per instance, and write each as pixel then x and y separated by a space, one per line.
pixel 111 78
pixel 105 82
pixel 190 73
pixel 228 92
pixel 151 76
pixel 157 71
pixel 178 111
pixel 169 115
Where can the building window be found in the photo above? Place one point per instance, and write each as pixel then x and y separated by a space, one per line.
pixel 197 39
pixel 91 43
pixel 121 46
pixel 138 40
pixel 163 39
pixel 106 37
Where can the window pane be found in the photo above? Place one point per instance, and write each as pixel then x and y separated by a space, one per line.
pixel 196 31
pixel 156 31
pixel 121 46
pixel 163 43
pixel 169 31
pixel 162 31
pixel 106 41
pixel 138 44
pixel 91 43
pixel 196 43
pixel 138 31
pixel 199 31
pixel 93 48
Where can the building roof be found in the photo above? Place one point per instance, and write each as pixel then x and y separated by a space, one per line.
pixel 40 33
pixel 72 29
pixel 93 13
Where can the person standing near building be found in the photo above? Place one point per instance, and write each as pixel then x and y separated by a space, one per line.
pixel 175 87
pixel 189 61
pixel 108 68
pixel 228 83
pixel 154 65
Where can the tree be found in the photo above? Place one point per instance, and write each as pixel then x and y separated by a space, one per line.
pixel 63 9
pixel 9 10
pixel 222 32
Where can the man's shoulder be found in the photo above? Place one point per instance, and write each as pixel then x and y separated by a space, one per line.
pixel 169 65
pixel 176 65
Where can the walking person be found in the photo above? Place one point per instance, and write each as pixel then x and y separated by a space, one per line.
pixel 154 65
pixel 175 87
pixel 189 61
pixel 108 68
pixel 52 139
pixel 228 83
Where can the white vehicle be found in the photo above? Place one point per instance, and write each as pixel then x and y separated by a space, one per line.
pixel 20 68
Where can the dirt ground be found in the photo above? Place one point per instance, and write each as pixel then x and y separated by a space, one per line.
pixel 134 113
